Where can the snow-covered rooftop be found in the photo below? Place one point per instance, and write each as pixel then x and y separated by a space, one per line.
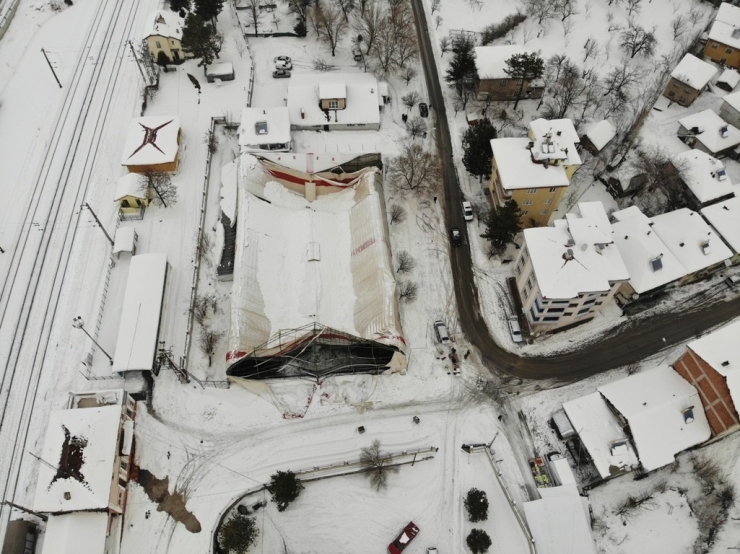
pixel 711 128
pixel 164 23
pixel 491 60
pixel 655 404
pixel 694 72
pixel 733 100
pixel 559 522
pixel 151 140
pixel 601 434
pixel 79 533
pixel 600 133
pixel 690 239
pixel 125 240
pixel 649 262
pixel 138 331
pixel 361 93
pixel 561 134
pixel 329 90
pixel 721 351
pixel 264 126
pixel 518 170
pixel 80 448
pixel 129 185
pixel 730 77
pixel 725 33
pixel 725 218
pixel 728 13
pixel 220 69
pixel 324 262
pixel 705 175
pixel 576 254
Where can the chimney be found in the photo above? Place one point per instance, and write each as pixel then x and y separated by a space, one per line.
pixel 725 363
pixel 303 114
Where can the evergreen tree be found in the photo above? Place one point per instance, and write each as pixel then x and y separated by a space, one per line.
pixel 238 534
pixel 478 541
pixel 209 9
pixel 462 73
pixel 177 5
pixel 476 503
pixel 502 225
pixel 162 59
pixel 525 68
pixel 284 487
pixel 476 144
pixel 300 28
pixel 197 38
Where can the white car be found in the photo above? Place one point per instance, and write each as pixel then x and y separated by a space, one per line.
pixel 515 329
pixel 280 64
pixel 467 210
pixel 440 329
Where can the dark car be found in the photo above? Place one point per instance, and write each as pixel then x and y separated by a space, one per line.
pixel 455 236
pixel 281 74
pixel 423 110
pixel 403 540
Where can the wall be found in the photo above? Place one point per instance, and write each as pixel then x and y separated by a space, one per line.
pixel 730 115
pixel 721 53
pixel 713 391
pixel 166 45
pixel 680 93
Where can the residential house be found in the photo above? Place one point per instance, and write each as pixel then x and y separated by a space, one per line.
pixel 602 435
pixel 729 111
pixel 130 196
pixel 87 454
pixel 163 33
pixel 692 241
pixel 566 273
pixel 650 264
pixel 723 43
pixel 494 83
pixel 334 101
pixel 706 131
pixel 712 365
pixel 705 177
pixel 688 80
pixel 724 217
pixel 265 130
pixel 728 81
pixel 562 142
pixel 152 144
pixel 661 412
pixel 597 135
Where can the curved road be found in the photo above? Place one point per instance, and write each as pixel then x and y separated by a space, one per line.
pixel 625 345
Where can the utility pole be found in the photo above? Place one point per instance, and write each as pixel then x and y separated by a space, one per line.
pixel 146 81
pixel 86 205
pixel 51 67
pixel 78 323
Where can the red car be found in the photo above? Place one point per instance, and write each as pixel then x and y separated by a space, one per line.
pixel 403 540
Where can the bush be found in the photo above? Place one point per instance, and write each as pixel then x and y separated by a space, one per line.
pixel 284 487
pixel 162 59
pixel 476 502
pixel 478 541
pixel 300 29
pixel 500 30
pixel 238 534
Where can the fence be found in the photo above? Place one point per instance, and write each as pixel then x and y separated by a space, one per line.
pixel 7 15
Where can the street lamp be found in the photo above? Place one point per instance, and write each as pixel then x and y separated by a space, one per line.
pixel 78 323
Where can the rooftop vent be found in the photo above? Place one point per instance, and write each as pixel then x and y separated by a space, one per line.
pixel 530 145
pixel 688 414
pixel 559 133
pixel 725 208
pixel 705 248
pixel 67 495
pixel 657 263
pixel 681 244
pixel 724 131
pixel 568 255
pixel 721 174
pixel 260 127
pixel 584 247
pixel 735 33
pixel 725 363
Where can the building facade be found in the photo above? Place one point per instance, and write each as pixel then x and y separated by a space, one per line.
pixel 163 34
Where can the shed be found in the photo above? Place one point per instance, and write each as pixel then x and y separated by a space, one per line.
pixel 729 79
pixel 126 239
pixel 597 135
pixel 223 71
pixel 129 195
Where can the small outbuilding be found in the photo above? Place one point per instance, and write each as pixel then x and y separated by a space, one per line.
pixel 729 79
pixel 597 135
pixel 265 130
pixel 223 71
pixel 152 144
pixel 706 131
pixel 130 196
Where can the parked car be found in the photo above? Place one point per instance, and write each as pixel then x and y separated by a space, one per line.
pixel 403 539
pixel 281 74
pixel 423 109
pixel 282 59
pixel 440 329
pixel 467 211
pixel 515 329
pixel 455 236
pixel 283 65
pixel 732 281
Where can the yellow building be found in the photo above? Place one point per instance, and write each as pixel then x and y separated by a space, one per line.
pixel 163 34
pixel 723 44
pixel 130 196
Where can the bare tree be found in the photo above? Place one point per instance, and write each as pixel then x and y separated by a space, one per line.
pixel 541 10
pixel 407 49
pixel 435 5
pixel 398 214
pixel 415 169
pixel 566 8
pixel 204 248
pixel 416 126
pixel 566 91
pixel 437 21
pixel 567 28
pixel 377 465
pixel 590 49
pixel 241 46
pixel 330 24
pixel 633 6
pixel 405 262
pixel 384 48
pixel 347 7
pixel 211 141
pixel 407 291
pixel 408 75
pixel 444 45
pixel 159 187
pixel 679 26
pixel 660 171
pixel 207 342
pixel 255 13
pixel 410 99
pixel 368 25
pixel 637 40
pixel 695 15
pixel 320 64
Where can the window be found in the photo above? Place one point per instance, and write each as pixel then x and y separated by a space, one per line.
pixel 157 43
pixel 728 50
pixel 675 84
pixel 583 311
pixel 687 90
pixel 530 284
pixel 681 99
pixel 520 81
pixel 333 104
pixel 550 318
pixel 671 93
pixel 715 45
pixel 543 212
pixel 553 189
pixel 527 203
pixel 503 82
pixel 555 310
pixel 573 305
pixel 525 212
pixel 531 191
pixel 567 314
pixel 598 303
pixel 125 203
pixel 548 200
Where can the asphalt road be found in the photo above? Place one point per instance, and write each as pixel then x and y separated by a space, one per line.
pixel 625 345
